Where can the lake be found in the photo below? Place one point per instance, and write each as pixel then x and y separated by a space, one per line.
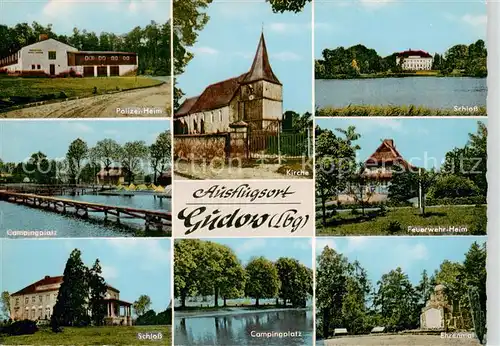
pixel 431 92
pixel 238 327
pixel 18 217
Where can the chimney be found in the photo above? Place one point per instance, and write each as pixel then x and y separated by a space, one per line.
pixel 389 142
pixel 46 277
pixel 43 37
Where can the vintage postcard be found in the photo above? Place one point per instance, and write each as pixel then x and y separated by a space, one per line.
pixel 86 292
pixel 388 176
pixel 426 292
pixel 243 91
pixel 243 292
pixel 400 58
pixel 85 179
pixel 85 59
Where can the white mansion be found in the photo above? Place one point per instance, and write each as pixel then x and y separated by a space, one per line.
pixel 414 60
pixel 36 302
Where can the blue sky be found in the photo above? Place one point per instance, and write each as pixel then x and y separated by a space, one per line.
pixel 270 248
pixel 389 26
pixel 116 16
pixel 227 45
pixel 421 141
pixel 23 138
pixel 411 254
pixel 134 266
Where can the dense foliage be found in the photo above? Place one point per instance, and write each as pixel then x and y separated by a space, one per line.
pixel 151 43
pixel 359 60
pixel 345 298
pixel 204 268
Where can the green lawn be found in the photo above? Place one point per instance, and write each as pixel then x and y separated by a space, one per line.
pixel 377 223
pixel 117 335
pixel 37 87
pixel 409 110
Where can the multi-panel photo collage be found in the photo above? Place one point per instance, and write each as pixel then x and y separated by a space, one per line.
pixel 259 172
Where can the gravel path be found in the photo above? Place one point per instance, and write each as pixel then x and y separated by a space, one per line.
pixel 155 98
pixel 401 340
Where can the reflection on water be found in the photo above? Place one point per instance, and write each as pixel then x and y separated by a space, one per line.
pixel 243 328
pixel 138 201
pixel 432 92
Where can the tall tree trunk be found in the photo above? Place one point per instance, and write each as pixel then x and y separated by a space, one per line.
pixel 257 301
pixel 323 207
pixel 326 323
pixel 183 300
pixel 216 298
pixel 225 303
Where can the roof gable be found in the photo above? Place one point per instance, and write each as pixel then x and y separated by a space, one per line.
pixel 52 42
pixel 386 153
pixel 186 106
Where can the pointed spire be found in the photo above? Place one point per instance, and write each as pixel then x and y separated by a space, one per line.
pixel 261 68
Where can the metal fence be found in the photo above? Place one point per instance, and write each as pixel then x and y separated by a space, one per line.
pixel 267 144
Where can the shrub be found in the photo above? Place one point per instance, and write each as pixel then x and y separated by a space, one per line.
pixel 474 200
pixel 354 211
pixel 393 227
pixel 452 186
pixel 23 327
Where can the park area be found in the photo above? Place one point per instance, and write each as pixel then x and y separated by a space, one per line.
pixel 105 335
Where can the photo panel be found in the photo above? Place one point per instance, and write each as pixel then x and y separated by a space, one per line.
pixel 392 176
pixel 243 124
pixel 85 59
pixel 247 291
pixel 418 291
pixel 400 58
pixel 86 179
pixel 86 291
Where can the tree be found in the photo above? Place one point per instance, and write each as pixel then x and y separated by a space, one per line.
pixel 160 154
pixel 141 305
pixel 453 186
pixel 77 152
pixel 295 282
pixel 262 279
pixel 474 270
pixel 230 283
pixel 280 6
pixel 425 288
pixel 39 169
pixel 5 303
pixel 107 152
pixel 70 308
pixel 98 289
pixel 335 162
pixel 188 268
pixel 133 154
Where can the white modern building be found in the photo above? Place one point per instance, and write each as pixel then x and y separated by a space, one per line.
pixel 414 60
pixel 49 57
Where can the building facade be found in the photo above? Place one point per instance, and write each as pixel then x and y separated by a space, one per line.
pixel 414 60
pixel 254 97
pixel 49 57
pixel 112 176
pixel 36 302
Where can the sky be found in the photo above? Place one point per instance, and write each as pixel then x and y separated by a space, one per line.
pixel 390 26
pixel 134 266
pixel 412 254
pixel 20 138
pixel 271 248
pixel 423 142
pixel 227 45
pixel 115 16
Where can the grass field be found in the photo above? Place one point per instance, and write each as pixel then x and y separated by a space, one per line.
pixel 390 111
pixel 375 223
pixel 117 335
pixel 81 87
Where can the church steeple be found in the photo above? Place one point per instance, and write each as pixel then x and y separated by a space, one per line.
pixel 261 68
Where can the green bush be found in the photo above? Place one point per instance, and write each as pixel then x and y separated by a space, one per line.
pixel 393 227
pixel 452 186
pixel 23 327
pixel 478 200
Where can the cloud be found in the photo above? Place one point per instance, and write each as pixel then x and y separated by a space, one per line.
pixel 480 20
pixel 251 245
pixel 154 254
pixel 287 28
pixel 78 127
pixel 205 50
pixel 405 254
pixel 109 272
pixel 322 242
pixel 375 4
pixel 286 56
pixel 303 244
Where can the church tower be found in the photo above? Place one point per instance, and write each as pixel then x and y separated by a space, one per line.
pixel 261 93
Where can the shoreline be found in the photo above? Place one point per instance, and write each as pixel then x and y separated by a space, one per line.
pixel 232 310
pixel 397 110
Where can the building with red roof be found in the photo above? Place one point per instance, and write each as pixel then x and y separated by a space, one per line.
pixel 414 60
pixel 254 97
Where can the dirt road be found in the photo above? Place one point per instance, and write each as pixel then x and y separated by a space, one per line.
pixel 399 340
pixel 148 102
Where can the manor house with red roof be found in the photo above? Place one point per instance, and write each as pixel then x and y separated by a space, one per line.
pixel 253 99
pixel 414 60
pixel 36 302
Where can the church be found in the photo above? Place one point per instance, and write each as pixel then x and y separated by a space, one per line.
pixel 253 99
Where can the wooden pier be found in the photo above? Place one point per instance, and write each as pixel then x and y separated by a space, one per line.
pixel 52 190
pixel 153 219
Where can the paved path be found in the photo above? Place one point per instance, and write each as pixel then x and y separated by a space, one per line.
pixel 400 340
pixel 156 98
